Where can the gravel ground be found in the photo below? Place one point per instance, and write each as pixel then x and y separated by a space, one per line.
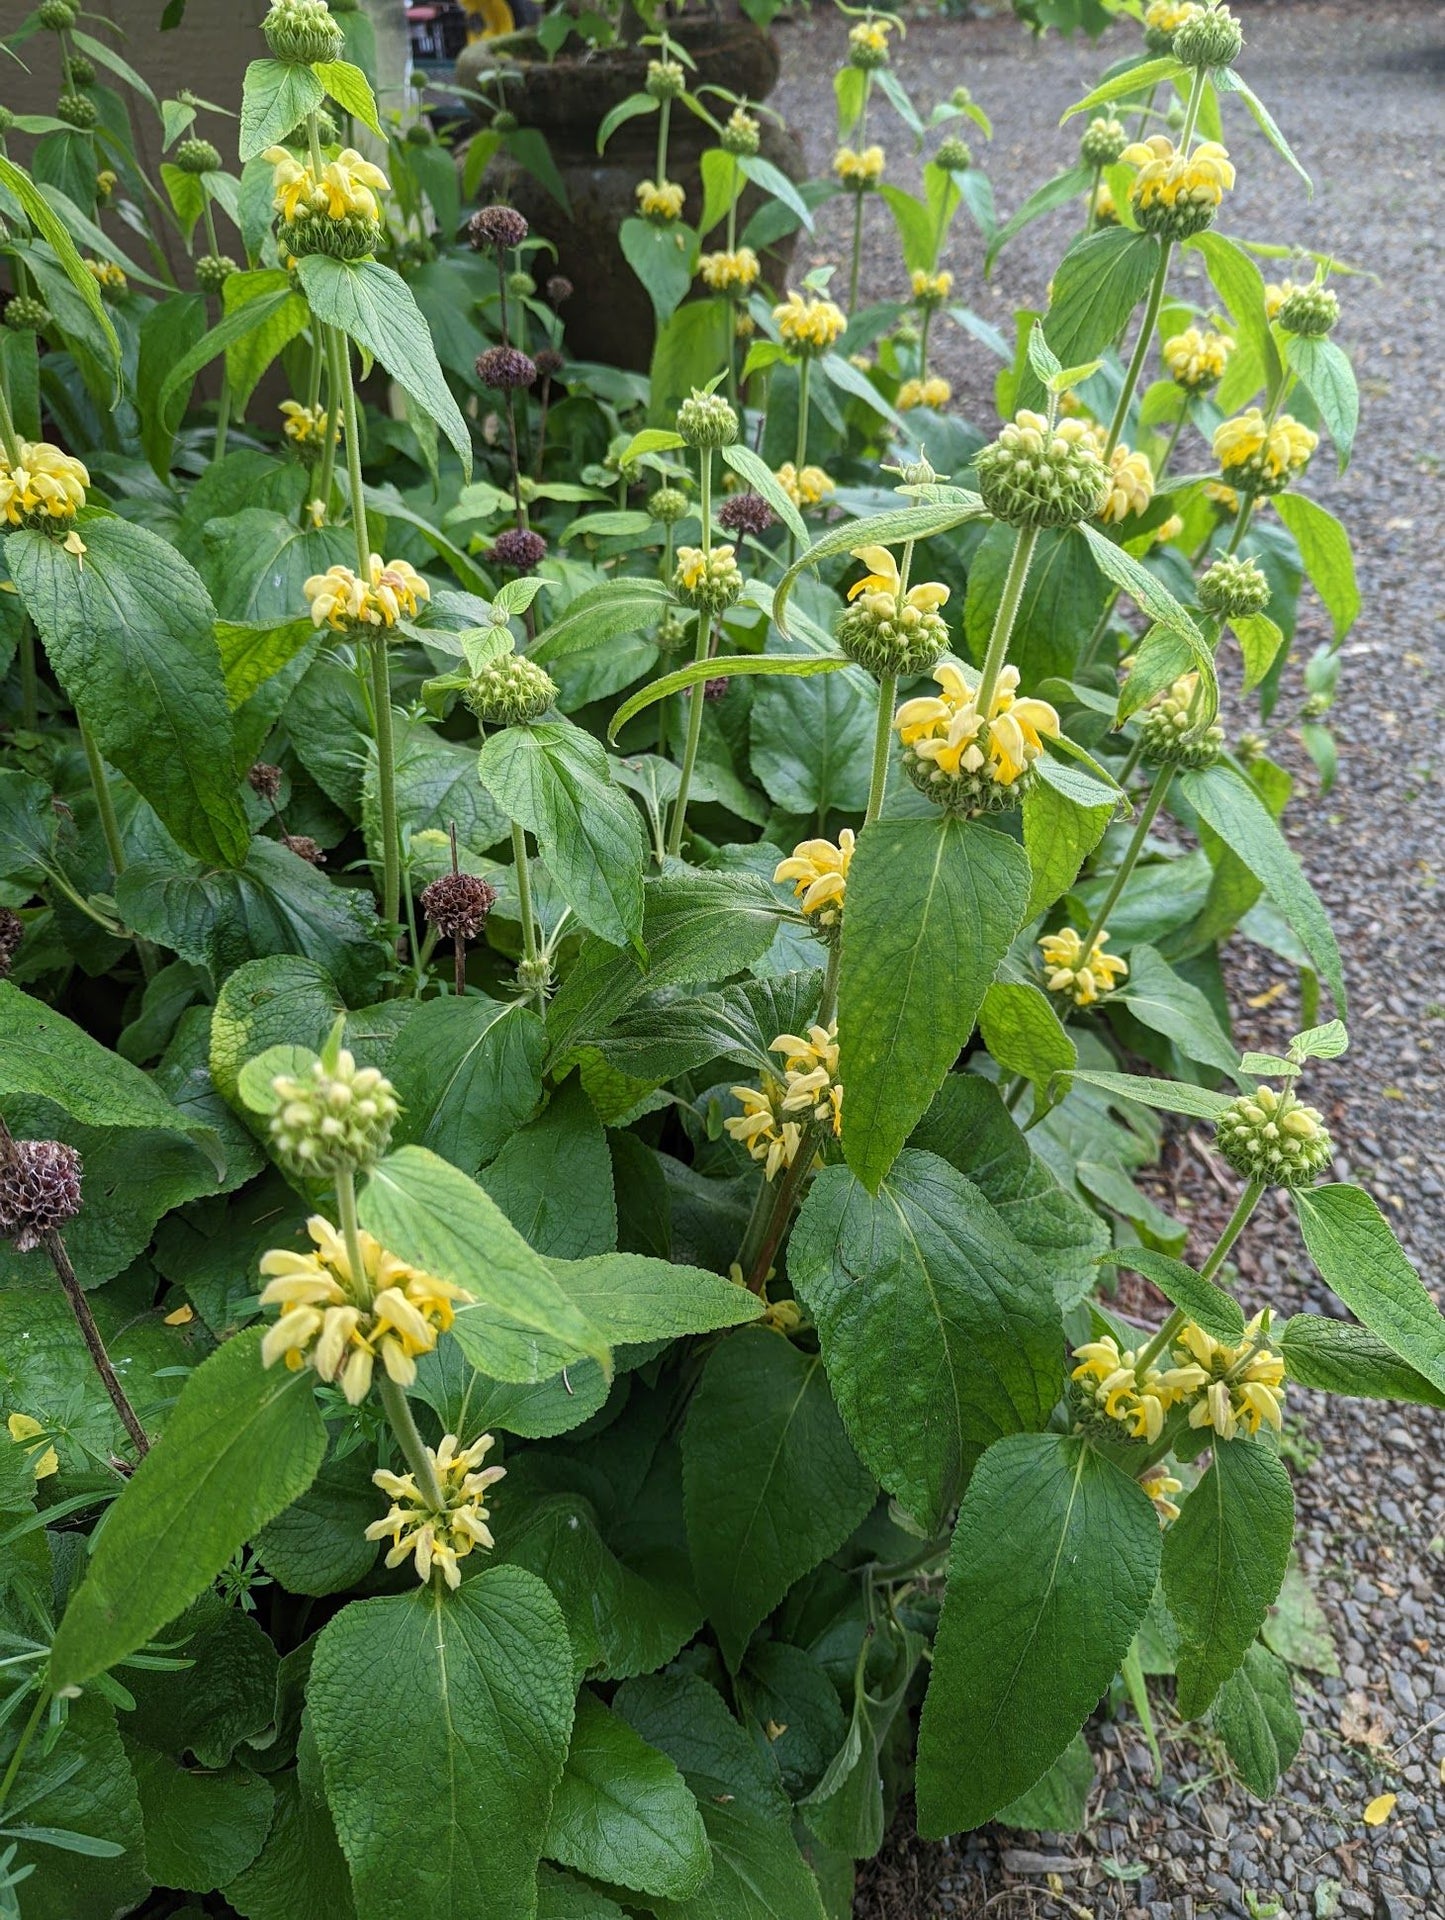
pixel 1358 89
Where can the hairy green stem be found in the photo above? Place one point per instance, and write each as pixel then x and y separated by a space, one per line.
pixel 104 804
pixel 1248 1201
pixel 29 678
pixel 1094 201
pixel 1141 349
pixel 408 1437
pixel 9 438
pixel 755 1270
pixel 882 739
pixel 828 1002
pixel 696 701
pixel 857 253
pixel 1152 804
pixel 523 873
pixel 1025 539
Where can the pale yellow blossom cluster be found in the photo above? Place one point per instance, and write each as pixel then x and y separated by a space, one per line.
pixel 340 599
pixel 436 1539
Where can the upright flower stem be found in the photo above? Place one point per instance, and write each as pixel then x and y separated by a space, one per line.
pixel 1094 201
pixel 524 898
pixel 380 665
pixel 857 253
pixel 828 1002
pixel 696 698
pixel 882 737
pixel 27 1734
pixel 29 680
pixel 1025 540
pixel 104 805
pixel 1248 1201
pixel 1141 350
pixel 1153 802
pixel 775 1223
pixel 9 438
pixel 403 1424
pixel 223 398
pixel 1241 523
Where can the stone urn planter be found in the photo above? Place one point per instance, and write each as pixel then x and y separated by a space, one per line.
pixel 610 317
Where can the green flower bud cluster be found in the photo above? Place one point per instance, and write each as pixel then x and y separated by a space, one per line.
pixel 1037 475
pixel 302 32
pixel 1274 1137
pixel 351 237
pixel 332 1116
pixel 665 80
pixel 1311 312
pixel 198 156
pixel 535 976
pixel 706 420
pixel 76 109
pixel 885 638
pixel 512 692
pixel 1104 140
pixel 522 285
pixel 1170 736
pixel 966 794
pixel 505 121
pixel 711 582
pixel 213 270
pixel 668 504
pixel 1232 589
pixel 27 314
pixel 741 133
pixel 954 156
pixel 56 16
pixel 1212 38
pixel 82 71
pixel 671 634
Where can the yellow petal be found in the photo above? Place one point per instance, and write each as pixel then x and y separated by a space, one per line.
pixel 1380 1809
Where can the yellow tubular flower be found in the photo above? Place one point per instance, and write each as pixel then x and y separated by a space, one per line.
pixel 1168 530
pixel 1112 1386
pixel 43 1458
pixel 1258 456
pixel 1160 1485
pixel 1277 292
pixel 45 485
pixel 859 171
pixel 730 272
pixel 1177 194
pixel 819 872
pixel 340 1323
pixel 660 201
pixel 1168 16
pixel 885 578
pixel 949 738
pixel 348 185
pixel 869 37
pixel 1225 498
pixel 1196 358
pixel 340 600
pixel 305 426
pixel 437 1540
pixel 810 488
pixel 1083 977
pixel 778 1117
pixel 931 289
pixel 933 392
pixel 1106 212
pixel 809 326
pixel 1131 485
pixel 107 275
pixel 1236 1387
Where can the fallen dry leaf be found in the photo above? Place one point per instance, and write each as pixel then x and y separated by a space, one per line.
pixel 1361 1721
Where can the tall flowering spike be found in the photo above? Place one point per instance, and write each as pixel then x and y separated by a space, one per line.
pixel 1115 1395
pixel 333 1116
pixel 1177 194
pixel 784 1117
pixel 1257 455
pixel 435 1539
pixel 341 600
pixel 1274 1137
pixel 818 870
pixel 1212 38
pixel 889 630
pixel 1037 475
pixel 43 488
pixel 809 326
pixel 706 420
pixel 967 762
pixel 340 1322
pixel 1197 358
pixel 1083 978
pixel 39 1190
pixel 1171 733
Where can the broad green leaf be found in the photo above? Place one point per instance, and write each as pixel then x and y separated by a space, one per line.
pixel 809 739
pixel 1256 1714
pixel 773 182
pixel 599 615
pixel 1022 1031
pixel 277 95
pixel 478 1686
pixel 262 311
pixel 1059 1802
pixel 1325 370
pixel 1141 78
pixel 630 1297
pixel 1150 594
pixel 1098 284
pixel 1339 1357
pixel 553 1180
pixel 933 906
pixel 758 1872
pixel 1259 642
pixel 1229 804
pixel 560 1897
pixel 242 1443
pixel 721 667
pixel 1052 1566
pixel 1240 284
pixel 1325 1042
pixel 351 90
pixel 81 1787
pixel 319 1544
pixel 153 695
pixel 1350 1242
pixel 939 1329
pixel 1057 192
pixel 622 1812
pixel 554 779
pixel 768 1497
pixel 46 1057
pixel 41 216
pixel 1063 597
pixel 1162 999
pixel 752 468
pixel 201 1829
pixel 1059 835
pixel 1223 1561
pixel 300 1870
pixel 251 654
pixel 1228 81
pixel 376 309
pixel 522 1326
pixel 436 786
pixel 1218 1312
pixel 1297 1629
pixel 662 258
pixel 1328 560
pixel 248 357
